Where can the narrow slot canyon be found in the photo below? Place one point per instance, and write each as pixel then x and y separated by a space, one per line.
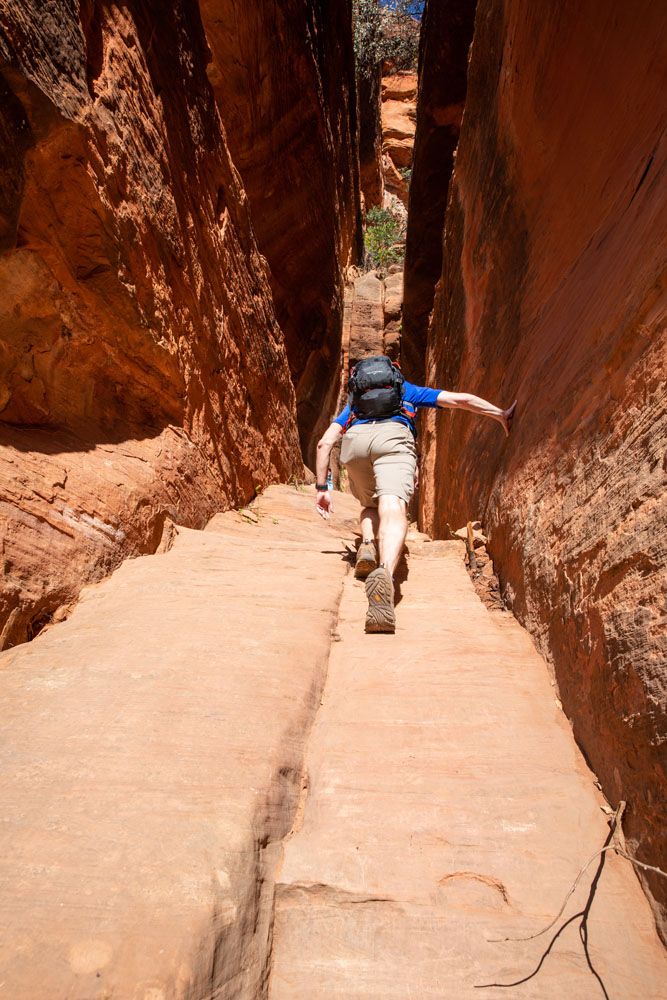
pixel 214 783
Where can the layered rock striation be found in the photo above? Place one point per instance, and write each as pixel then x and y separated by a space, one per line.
pixel 370 138
pixel 552 289
pixel 398 112
pixel 373 316
pixel 144 374
pixel 447 28
pixel 283 76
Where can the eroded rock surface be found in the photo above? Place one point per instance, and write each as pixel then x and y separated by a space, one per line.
pixel 283 75
pixel 370 139
pixel 447 29
pixel 372 322
pixel 214 784
pixel 152 750
pixel 447 807
pixel 399 102
pixel 552 290
pixel 143 372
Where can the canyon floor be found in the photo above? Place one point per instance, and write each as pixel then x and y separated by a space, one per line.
pixel 215 785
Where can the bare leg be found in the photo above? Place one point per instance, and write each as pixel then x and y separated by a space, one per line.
pixel 393 530
pixel 369 522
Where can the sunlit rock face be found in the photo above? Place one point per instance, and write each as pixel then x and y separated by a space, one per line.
pixel 398 110
pixel 552 291
pixel 283 76
pixel 144 375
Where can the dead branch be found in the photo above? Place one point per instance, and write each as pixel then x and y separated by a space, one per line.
pixel 615 825
pixel 615 842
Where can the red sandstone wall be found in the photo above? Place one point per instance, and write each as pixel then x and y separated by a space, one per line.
pixel 283 75
pixel 553 290
pixel 370 139
pixel 447 27
pixel 143 372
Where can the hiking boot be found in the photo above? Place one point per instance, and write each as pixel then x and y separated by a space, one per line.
pixel 367 560
pixel 380 616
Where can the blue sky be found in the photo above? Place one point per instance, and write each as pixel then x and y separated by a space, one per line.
pixel 415 8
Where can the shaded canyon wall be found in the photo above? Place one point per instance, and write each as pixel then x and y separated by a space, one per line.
pixel 447 29
pixel 552 290
pixel 144 374
pixel 370 139
pixel 283 76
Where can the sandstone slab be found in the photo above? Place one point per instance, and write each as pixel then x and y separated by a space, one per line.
pixel 367 316
pixel 393 296
pixel 151 761
pixel 400 87
pixel 394 182
pixel 447 806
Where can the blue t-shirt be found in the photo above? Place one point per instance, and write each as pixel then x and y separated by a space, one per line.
pixel 414 397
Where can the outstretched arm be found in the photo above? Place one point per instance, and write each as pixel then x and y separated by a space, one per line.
pixel 475 404
pixel 324 446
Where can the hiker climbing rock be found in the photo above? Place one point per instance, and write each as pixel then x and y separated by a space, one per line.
pixel 380 455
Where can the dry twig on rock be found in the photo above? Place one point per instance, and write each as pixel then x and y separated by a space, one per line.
pixel 615 842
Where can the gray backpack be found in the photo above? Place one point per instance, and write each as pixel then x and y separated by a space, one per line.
pixel 375 389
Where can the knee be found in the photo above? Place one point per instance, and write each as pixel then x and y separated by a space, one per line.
pixel 391 506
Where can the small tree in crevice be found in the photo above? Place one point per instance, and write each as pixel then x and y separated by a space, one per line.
pixel 387 30
pixel 384 239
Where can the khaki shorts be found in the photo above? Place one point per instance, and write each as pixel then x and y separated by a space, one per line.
pixel 381 460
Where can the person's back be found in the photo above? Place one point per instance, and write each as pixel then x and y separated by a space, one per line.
pixel 375 388
pixel 380 456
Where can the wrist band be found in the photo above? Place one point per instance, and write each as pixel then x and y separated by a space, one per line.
pixel 321 488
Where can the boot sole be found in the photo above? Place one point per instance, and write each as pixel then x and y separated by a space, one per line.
pixel 363 567
pixel 380 616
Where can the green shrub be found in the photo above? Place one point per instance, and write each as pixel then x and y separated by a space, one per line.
pixel 384 238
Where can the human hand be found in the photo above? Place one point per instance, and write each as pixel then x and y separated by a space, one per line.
pixel 323 504
pixel 507 418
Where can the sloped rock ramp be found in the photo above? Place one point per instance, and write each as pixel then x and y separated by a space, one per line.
pixel 181 818
pixel 449 805
pixel 150 762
